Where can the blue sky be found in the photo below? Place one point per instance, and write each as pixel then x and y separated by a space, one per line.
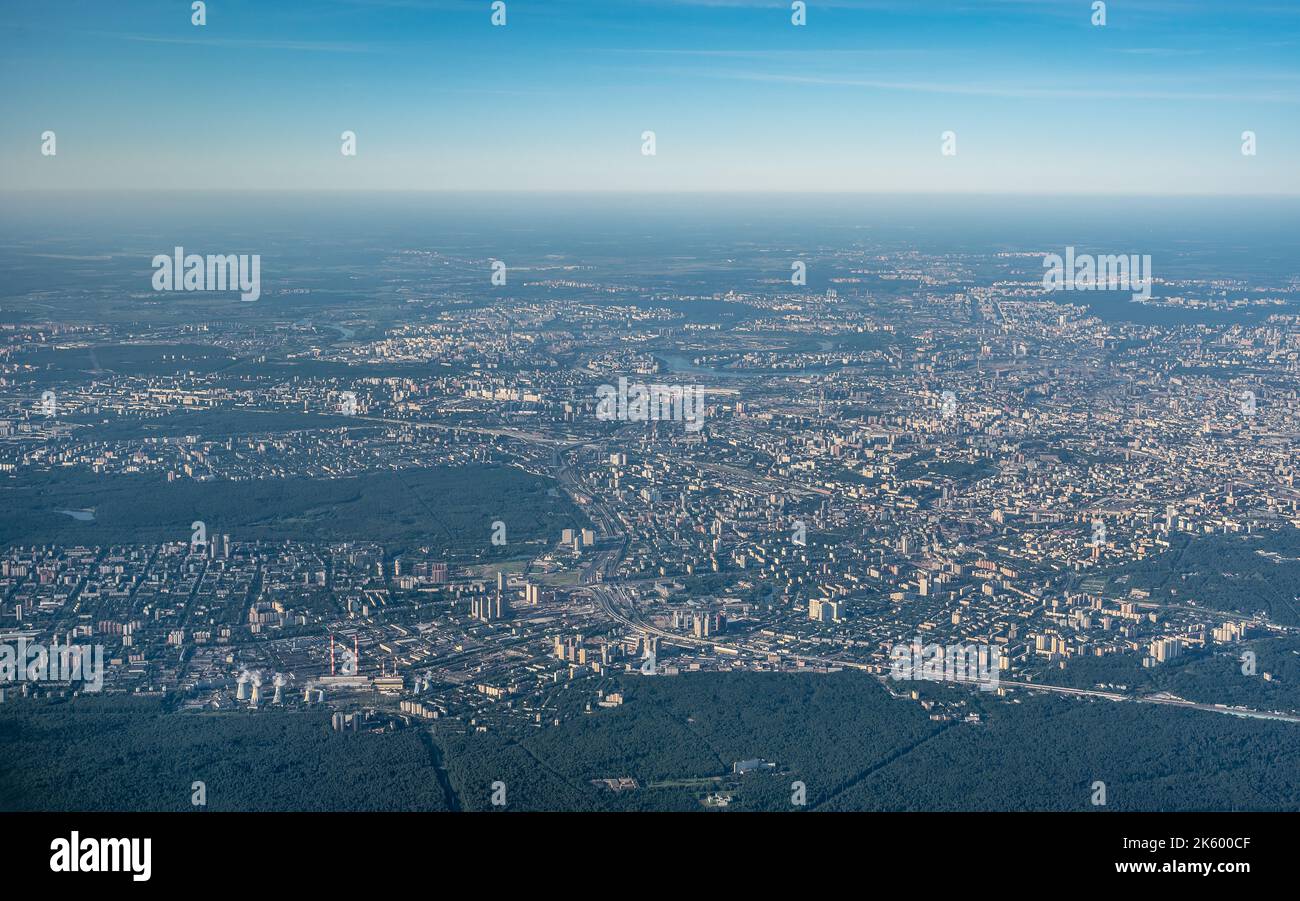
pixel 740 100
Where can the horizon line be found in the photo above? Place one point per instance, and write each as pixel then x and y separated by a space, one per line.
pixel 647 193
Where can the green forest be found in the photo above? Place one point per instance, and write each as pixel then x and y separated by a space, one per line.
pixel 1233 573
pixel 853 746
pixel 124 753
pixel 451 508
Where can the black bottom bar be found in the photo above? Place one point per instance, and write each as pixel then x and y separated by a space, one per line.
pixel 378 851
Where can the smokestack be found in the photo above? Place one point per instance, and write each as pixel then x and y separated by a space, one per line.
pixel 356 656
pixel 331 653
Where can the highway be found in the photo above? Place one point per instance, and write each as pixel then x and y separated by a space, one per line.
pixel 619 606
pixel 614 601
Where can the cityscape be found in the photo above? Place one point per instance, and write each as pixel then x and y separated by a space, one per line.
pixel 651 498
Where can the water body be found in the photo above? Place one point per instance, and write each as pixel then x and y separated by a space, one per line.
pixel 678 364
pixel 1118 306
pixel 683 365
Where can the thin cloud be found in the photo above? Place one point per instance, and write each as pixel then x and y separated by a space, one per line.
pixel 997 91
pixel 255 44
pixel 778 53
pixel 1158 51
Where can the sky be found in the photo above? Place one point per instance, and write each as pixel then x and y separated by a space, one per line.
pixel 740 100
